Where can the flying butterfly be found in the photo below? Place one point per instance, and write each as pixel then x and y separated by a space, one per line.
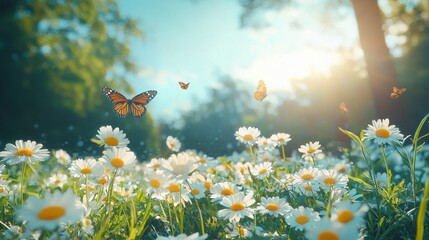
pixel 184 85
pixel 397 92
pixel 343 108
pixel 261 91
pixel 122 105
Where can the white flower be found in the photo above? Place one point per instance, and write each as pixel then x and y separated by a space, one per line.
pixel 381 179
pixel 327 229
pixel 382 133
pixel 195 236
pixel 281 138
pixel 247 135
pixel 156 183
pixel 58 179
pixel 347 212
pixel 173 144
pixel 63 157
pixel 310 149
pixel 238 206
pixel 112 137
pixel 87 226
pixel 49 212
pixel 301 217
pixel 332 179
pixel 262 170
pixel 88 168
pixel 306 175
pixel 224 189
pixel 273 206
pixel 178 192
pixel 266 144
pixel 119 158
pixel 181 164
pixel 155 163
pixel 28 151
pixel 197 190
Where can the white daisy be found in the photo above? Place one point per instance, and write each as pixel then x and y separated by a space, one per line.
pixel 281 138
pixel 178 192
pixel 156 182
pixel 155 163
pixel 4 187
pixel 112 137
pixel 332 179
pixel 301 217
pixel 173 144
pixel 119 158
pixel 247 135
pixel 63 157
pixel 266 144
pixel 262 170
pixel 197 190
pixel 181 164
pixel 87 226
pixel 238 206
pixel 224 189
pixel 86 168
pixel 381 179
pixel 58 179
pixel 28 151
pixel 306 175
pixel 327 229
pixel 51 211
pixel 195 236
pixel 273 206
pixel 382 133
pixel 310 149
pixel 347 212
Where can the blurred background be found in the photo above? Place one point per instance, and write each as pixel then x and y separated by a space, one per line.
pixel 55 56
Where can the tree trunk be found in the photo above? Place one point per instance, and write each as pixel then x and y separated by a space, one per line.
pixel 379 63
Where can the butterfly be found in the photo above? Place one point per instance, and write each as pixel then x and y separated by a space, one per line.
pixel 343 108
pixel 122 105
pixel 397 92
pixel 184 85
pixel 261 91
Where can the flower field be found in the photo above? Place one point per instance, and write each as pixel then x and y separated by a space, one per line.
pixel 375 189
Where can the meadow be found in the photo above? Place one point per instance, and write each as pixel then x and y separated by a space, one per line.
pixel 376 189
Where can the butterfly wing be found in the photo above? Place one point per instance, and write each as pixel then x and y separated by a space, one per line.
pixel 396 92
pixel 138 102
pixel 120 103
pixel 261 91
pixel 184 85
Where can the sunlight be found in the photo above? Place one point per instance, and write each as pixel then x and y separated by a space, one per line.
pixel 277 70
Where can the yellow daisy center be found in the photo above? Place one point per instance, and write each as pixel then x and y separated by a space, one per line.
pixel 342 170
pixel 207 185
pixel 24 152
pixel 263 171
pixel 242 232
pixel 156 165
pixel 307 187
pixel 155 183
pixel 227 191
pixel 111 141
pixel 1 190
pixel 329 181
pixel 345 216
pixel 57 181
pixel 272 207
pixel 86 170
pixel 195 191
pixel 307 176
pixel 102 181
pixel 280 140
pixel 382 133
pixel 117 162
pixel 311 150
pixel 202 161
pixel 172 145
pixel 174 188
pixel 302 219
pixel 237 206
pixel 248 137
pixel 51 213
pixel 328 235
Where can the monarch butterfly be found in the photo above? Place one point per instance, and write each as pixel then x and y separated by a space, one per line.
pixel 397 92
pixel 343 108
pixel 261 91
pixel 121 104
pixel 184 85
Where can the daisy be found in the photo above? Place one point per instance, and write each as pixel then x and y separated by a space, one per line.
pixel 156 182
pixel 87 226
pixel 281 138
pixel 224 189
pixel 4 187
pixel 306 175
pixel 50 212
pixel 63 157
pixel 195 236
pixel 155 163
pixel 58 179
pixel 273 206
pixel 238 206
pixel 310 149
pixel 112 137
pixel 247 135
pixel 119 158
pixel 332 179
pixel 266 144
pixel 181 164
pixel 347 212
pixel 301 217
pixel 86 168
pixel 197 190
pixel 177 192
pixel 307 188
pixel 381 179
pixel 382 133
pixel 262 170
pixel 28 151
pixel 326 229
pixel 173 144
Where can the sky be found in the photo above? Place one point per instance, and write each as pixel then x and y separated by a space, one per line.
pixel 198 41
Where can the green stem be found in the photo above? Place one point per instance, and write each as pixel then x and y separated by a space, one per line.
pixel 24 169
pixel 252 153
pixel 389 174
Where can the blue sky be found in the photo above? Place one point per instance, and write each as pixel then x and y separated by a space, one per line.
pixel 197 41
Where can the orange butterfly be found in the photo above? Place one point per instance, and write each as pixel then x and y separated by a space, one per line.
pixel 261 91
pixel 184 85
pixel 121 104
pixel 343 108
pixel 397 92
